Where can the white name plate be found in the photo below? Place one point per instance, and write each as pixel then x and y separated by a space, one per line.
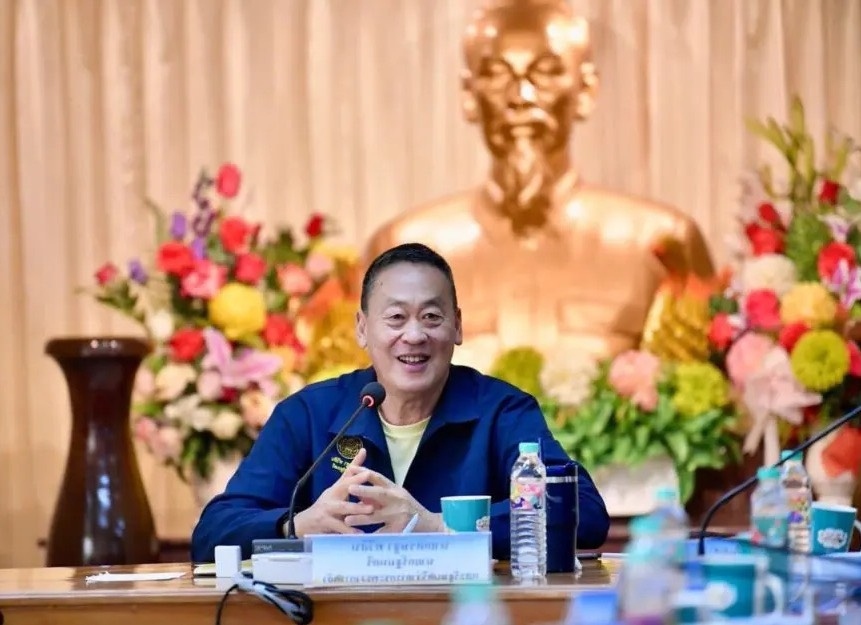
pixel 410 559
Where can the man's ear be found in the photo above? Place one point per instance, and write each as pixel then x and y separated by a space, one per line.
pixel 458 321
pixel 467 97
pixel 361 329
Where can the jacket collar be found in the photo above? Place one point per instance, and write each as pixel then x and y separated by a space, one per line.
pixel 457 404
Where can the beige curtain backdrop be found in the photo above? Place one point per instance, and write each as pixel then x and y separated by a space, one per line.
pixel 344 106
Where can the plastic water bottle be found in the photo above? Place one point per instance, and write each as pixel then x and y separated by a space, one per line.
pixel 647 583
pixel 528 515
pixel 768 510
pixel 799 498
pixel 476 605
pixel 674 525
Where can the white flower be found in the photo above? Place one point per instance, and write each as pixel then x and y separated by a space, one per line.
pixel 209 385
pixel 568 377
pixel 770 271
pixel 187 411
pixel 854 189
pixel 160 325
pixel 226 425
pixel 144 384
pixel 171 381
pixel 166 444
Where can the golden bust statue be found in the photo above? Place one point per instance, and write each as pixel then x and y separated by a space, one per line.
pixel 540 257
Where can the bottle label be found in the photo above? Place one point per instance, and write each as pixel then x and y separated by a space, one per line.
pixel 527 494
pixel 799 508
pixel 770 531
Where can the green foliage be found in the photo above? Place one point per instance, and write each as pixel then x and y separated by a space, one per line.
pixel 805 238
pixel 609 429
pixel 797 147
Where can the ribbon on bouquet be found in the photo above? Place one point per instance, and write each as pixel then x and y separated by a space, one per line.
pixel 769 393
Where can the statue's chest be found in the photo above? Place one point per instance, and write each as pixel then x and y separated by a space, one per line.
pixel 556 289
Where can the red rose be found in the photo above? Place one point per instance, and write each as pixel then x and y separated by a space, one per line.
pixel 829 192
pixel 250 268
pixel 854 359
pixel 769 215
pixel 227 180
pixel 721 332
pixel 175 259
pixel 762 308
pixel 314 227
pixel 279 331
pixel 790 334
pixel 831 255
pixel 764 240
pixel 186 345
pixel 234 233
pixel 107 273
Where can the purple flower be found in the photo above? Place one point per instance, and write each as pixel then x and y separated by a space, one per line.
pixel 178 226
pixel 137 272
pixel 198 248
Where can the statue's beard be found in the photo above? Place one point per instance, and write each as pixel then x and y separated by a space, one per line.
pixel 525 183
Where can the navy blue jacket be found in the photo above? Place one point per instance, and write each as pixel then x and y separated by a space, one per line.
pixel 468 448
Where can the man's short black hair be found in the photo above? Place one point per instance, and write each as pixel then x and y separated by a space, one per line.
pixel 415 253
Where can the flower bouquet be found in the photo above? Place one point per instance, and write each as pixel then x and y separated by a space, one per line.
pixel 785 329
pixel 231 313
pixel 631 408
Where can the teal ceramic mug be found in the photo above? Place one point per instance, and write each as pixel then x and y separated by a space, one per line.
pixel 466 513
pixel 831 527
pixel 737 586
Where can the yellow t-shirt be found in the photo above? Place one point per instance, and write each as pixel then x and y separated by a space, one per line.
pixel 403 441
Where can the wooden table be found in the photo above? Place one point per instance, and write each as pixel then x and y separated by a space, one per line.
pixel 61 596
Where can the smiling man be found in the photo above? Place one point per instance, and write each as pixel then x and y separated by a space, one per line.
pixel 442 430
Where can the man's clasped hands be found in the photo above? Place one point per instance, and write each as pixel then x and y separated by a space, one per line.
pixel 380 501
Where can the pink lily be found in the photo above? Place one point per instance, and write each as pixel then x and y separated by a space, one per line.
pixel 248 367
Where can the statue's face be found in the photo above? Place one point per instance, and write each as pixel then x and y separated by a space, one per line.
pixel 525 75
pixel 528 79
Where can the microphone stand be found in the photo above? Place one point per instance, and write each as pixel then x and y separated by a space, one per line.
pixel 701 546
pixel 367 402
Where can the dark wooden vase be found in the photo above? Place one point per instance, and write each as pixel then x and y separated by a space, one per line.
pixel 102 514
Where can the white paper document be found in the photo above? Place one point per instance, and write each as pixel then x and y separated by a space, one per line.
pixel 106 576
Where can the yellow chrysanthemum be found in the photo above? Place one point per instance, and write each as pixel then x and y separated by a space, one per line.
pixel 342 253
pixel 238 310
pixel 329 373
pixel 820 360
pixel 809 303
pixel 700 386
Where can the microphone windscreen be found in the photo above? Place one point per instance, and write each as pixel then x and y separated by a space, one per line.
pixel 372 394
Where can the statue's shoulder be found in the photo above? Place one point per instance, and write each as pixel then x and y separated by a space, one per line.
pixel 644 211
pixel 430 223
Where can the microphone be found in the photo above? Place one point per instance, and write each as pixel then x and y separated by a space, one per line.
pixel 371 395
pixel 846 418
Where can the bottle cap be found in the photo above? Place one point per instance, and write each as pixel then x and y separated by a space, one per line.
pixel 529 448
pixel 768 473
pixel 644 525
pixel 473 593
pixel 789 453
pixel 667 494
